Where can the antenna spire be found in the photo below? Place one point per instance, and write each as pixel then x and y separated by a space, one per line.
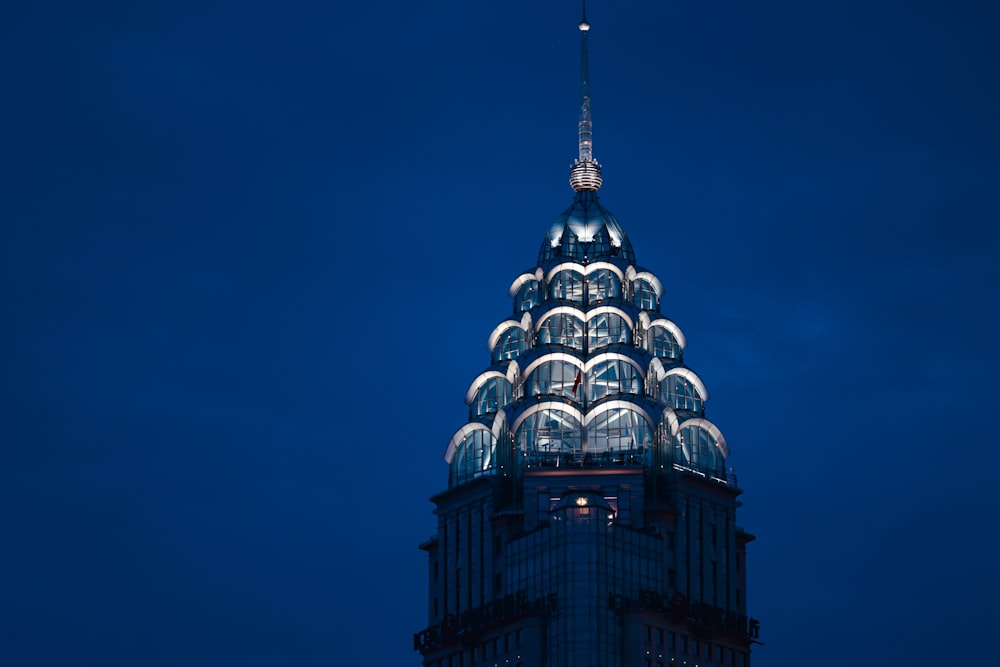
pixel 585 175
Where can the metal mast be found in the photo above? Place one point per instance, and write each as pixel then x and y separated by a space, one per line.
pixel 585 175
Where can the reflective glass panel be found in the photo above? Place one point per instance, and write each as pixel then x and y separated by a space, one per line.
pixel 644 296
pixel 680 394
pixel 527 297
pixel 510 345
pixel 607 329
pixel 550 439
pixel 619 436
pixel 695 448
pixel 562 329
pixel 555 377
pixel 473 457
pixel 602 285
pixel 568 285
pixel 614 376
pixel 661 343
pixel 494 394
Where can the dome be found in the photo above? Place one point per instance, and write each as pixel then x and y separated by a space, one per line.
pixel 586 231
pixel 587 372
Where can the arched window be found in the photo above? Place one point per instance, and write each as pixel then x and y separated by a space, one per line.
pixel 619 436
pixel 602 285
pixel 680 394
pixel 473 457
pixel 614 376
pixel 556 377
pixel 607 329
pixel 696 448
pixel 550 438
pixel 510 344
pixel 562 329
pixel 495 393
pixel 567 284
pixel 661 343
pixel 644 296
pixel 527 297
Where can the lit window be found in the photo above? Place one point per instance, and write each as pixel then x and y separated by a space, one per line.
pixel 602 285
pixel 607 329
pixel 567 285
pixel 527 297
pixel 562 329
pixel 510 345
pixel 661 343
pixel 644 296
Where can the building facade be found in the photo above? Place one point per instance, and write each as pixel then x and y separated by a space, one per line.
pixel 590 518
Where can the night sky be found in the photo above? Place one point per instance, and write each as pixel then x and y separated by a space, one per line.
pixel 252 253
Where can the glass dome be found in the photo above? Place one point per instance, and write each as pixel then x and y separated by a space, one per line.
pixel 588 373
pixel 586 231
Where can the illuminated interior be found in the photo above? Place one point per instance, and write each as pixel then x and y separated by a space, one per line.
pixel 588 372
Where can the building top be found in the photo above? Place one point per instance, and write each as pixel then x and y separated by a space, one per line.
pixel 586 232
pixel 587 373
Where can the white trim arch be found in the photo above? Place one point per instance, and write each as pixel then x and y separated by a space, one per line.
pixel 607 406
pixel 670 416
pixel 600 310
pixel 613 356
pixel 522 279
pixel 712 429
pixel 565 266
pixel 572 310
pixel 597 266
pixel 499 331
pixel 524 323
pixel 647 323
pixel 546 405
pixel 460 435
pixel 553 356
pixel 510 376
pixel 633 274
pixel 688 375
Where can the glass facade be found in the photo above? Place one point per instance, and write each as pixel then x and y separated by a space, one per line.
pixel 680 394
pixel 510 345
pixel 562 329
pixel 495 393
pixel 589 520
pixel 662 343
pixel 591 318
pixel 613 376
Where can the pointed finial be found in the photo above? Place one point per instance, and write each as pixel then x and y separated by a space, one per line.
pixel 585 175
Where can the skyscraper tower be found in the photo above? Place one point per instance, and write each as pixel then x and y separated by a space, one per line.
pixel 589 519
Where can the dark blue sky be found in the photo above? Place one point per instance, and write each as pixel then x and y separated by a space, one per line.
pixel 252 253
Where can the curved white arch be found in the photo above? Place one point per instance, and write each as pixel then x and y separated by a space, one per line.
pixel 688 375
pixel 596 266
pixel 500 329
pixel 669 326
pixel 713 430
pixel 479 382
pixel 550 405
pixel 651 279
pixel 565 266
pixel 552 356
pixel 613 356
pixel 673 422
pixel 460 435
pixel 572 310
pixel 600 310
pixel 611 405
pixel 519 281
